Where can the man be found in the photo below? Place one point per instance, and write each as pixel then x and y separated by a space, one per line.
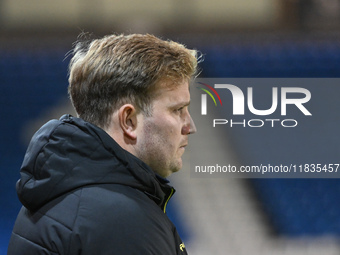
pixel 96 184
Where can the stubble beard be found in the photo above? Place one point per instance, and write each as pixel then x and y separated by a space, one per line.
pixel 152 150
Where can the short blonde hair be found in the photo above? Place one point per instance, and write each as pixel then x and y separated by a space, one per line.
pixel 117 69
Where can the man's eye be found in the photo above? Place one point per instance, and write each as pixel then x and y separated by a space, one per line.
pixel 180 109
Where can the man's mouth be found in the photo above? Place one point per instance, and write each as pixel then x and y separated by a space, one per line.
pixel 184 145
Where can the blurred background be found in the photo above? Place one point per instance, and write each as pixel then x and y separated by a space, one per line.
pixel 263 38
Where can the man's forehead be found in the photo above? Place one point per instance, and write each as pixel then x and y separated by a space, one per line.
pixel 175 94
pixel 172 85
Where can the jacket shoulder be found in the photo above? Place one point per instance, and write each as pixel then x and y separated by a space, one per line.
pixel 47 230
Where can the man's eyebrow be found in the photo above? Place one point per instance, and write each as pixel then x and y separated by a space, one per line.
pixel 180 104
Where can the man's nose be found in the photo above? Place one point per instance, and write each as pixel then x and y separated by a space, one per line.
pixel 189 128
pixel 192 129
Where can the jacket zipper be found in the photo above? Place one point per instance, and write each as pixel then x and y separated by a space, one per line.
pixel 166 202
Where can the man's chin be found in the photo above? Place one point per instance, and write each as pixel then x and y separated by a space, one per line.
pixel 176 167
pixel 172 169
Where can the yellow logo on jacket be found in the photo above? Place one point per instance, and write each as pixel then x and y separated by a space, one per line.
pixel 182 246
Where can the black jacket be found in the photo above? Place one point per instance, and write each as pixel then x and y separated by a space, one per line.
pixel 83 194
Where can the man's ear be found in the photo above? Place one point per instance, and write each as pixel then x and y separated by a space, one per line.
pixel 128 120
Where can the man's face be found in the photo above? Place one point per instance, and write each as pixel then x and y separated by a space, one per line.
pixel 162 137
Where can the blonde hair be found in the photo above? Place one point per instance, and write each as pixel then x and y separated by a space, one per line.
pixel 117 69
